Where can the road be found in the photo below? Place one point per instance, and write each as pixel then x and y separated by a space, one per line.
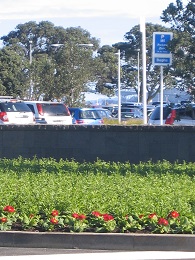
pixel 11 253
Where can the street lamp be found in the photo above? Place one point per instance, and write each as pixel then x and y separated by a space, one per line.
pixel 78 44
pixel 138 82
pixel 119 86
pixel 31 82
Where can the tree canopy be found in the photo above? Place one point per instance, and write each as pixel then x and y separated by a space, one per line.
pixel 52 62
pixel 182 20
pixel 61 61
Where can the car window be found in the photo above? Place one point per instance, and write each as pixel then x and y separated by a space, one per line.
pixel 55 109
pixel 15 107
pixel 31 108
pixel 102 113
pixel 89 114
pixel 186 113
pixel 155 115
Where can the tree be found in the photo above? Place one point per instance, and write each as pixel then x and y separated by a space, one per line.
pixel 106 68
pixel 55 72
pixel 129 54
pixel 182 20
pixel 13 71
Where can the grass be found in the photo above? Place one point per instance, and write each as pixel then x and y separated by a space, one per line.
pixel 132 121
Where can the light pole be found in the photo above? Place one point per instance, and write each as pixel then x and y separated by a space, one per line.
pixel 31 82
pixel 138 81
pixel 119 86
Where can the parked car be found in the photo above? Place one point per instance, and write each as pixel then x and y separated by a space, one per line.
pixel 184 115
pixel 130 112
pixel 13 111
pixel 112 108
pixel 104 113
pixel 157 103
pixel 85 116
pixel 48 112
pixel 154 118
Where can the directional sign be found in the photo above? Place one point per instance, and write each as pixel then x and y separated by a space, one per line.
pixel 161 54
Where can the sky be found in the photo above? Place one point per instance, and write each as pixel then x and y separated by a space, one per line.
pixel 106 20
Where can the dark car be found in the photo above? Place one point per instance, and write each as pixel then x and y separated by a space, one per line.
pixel 173 115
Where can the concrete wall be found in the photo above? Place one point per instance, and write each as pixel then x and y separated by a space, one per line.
pixel 108 143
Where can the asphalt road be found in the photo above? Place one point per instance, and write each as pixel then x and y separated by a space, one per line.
pixel 14 253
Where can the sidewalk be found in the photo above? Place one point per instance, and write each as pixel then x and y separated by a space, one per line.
pixel 98 241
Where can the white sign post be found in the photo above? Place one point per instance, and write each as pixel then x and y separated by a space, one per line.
pixel 161 57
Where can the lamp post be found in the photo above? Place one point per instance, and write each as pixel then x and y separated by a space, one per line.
pixel 138 81
pixel 31 82
pixel 119 87
pixel 78 44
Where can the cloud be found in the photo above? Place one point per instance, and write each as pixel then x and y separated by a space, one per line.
pixel 14 9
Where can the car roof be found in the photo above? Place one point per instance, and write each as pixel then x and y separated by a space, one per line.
pixel 10 100
pixel 82 108
pixel 43 102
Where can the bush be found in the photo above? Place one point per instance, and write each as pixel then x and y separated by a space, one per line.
pixel 123 194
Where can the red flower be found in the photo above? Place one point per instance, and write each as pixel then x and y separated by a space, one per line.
pixel 163 222
pixel 75 215
pixel 9 209
pixel 82 216
pixel 54 221
pixel 173 214
pixel 152 215
pixel 107 217
pixel 141 216
pixel 78 216
pixel 3 220
pixel 54 213
pixel 96 213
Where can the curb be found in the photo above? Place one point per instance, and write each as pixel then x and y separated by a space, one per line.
pixel 100 241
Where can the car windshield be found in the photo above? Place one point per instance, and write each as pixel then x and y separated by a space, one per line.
pixel 55 109
pixel 104 113
pixel 15 107
pixel 156 113
pixel 89 114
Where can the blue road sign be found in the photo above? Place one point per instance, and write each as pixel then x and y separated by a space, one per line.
pixel 162 60
pixel 161 54
pixel 161 43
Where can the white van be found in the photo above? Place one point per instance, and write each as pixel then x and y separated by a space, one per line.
pixel 48 112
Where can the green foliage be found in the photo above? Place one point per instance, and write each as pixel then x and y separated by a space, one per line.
pixel 181 19
pixel 120 191
pixel 129 53
pixel 56 72
pixel 13 72
pixel 62 72
pixel 106 70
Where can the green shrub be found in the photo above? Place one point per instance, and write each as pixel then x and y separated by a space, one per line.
pixel 37 187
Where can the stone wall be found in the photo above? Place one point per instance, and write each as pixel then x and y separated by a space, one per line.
pixel 108 143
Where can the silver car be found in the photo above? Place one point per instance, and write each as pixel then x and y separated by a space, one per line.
pixel 48 112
